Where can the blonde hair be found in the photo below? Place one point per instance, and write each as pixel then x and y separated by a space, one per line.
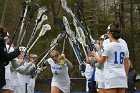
pixel 54 53
pixel 33 56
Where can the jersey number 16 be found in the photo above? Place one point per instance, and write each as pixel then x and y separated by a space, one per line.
pixel 121 54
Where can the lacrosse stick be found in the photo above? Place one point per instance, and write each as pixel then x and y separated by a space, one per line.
pixel 41 12
pixel 80 35
pixel 76 21
pixel 64 43
pixel 18 25
pixel 82 41
pixel 73 43
pixel 23 20
pixel 54 43
pixel 30 14
pixel 44 17
pixel 44 29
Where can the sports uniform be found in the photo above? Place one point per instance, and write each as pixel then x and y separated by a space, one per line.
pixel 99 72
pixel 8 72
pixel 24 78
pixel 88 74
pixel 61 77
pixel 107 41
pixel 114 72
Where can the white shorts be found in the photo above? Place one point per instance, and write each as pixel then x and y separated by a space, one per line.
pixel 17 89
pixel 8 85
pixel 16 86
pixel 116 82
pixel 23 89
pixel 63 87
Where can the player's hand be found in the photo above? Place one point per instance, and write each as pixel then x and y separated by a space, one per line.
pixel 93 53
pixel 63 56
pixel 87 60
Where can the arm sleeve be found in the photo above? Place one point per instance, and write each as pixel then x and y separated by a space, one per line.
pixel 4 56
pixel 30 70
pixel 105 52
pixel 92 61
pixel 127 53
pixel 22 69
pixel 15 63
pixel 69 64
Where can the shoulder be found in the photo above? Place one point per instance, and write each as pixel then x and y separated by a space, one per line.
pixel 123 45
pixel 107 46
pixel 50 60
pixel 122 41
pixel 105 42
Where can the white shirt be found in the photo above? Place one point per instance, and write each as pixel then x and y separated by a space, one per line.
pixel 60 72
pixel 115 53
pixel 88 71
pixel 7 68
pixel 60 76
pixel 107 41
pixel 23 78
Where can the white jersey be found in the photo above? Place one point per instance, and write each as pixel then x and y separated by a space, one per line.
pixel 99 72
pixel 60 76
pixel 88 71
pixel 23 78
pixel 107 41
pixel 11 48
pixel 7 68
pixel 31 85
pixel 8 71
pixel 88 74
pixel 114 66
pixel 32 78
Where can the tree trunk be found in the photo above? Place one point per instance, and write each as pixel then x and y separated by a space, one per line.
pixel 132 31
pixel 95 16
pixel 3 14
pixel 121 17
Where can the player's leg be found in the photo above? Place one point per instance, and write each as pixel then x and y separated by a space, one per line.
pixel 112 90
pixel 55 89
pixel 121 90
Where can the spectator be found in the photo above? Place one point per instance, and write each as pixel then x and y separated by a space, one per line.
pixel 131 79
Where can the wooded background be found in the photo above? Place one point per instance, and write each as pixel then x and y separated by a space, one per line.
pixel 98 15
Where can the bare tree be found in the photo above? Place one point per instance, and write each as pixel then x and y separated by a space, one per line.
pixel 121 17
pixel 3 14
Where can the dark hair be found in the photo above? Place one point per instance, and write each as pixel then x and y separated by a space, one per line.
pixel 115 30
pixel 2 29
pixel 116 24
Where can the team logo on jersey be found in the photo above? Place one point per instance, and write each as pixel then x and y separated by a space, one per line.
pixel 119 47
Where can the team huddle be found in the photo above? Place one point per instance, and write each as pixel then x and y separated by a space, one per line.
pixel 106 60
pixel 106 68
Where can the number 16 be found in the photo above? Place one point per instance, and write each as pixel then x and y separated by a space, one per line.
pixel 121 57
